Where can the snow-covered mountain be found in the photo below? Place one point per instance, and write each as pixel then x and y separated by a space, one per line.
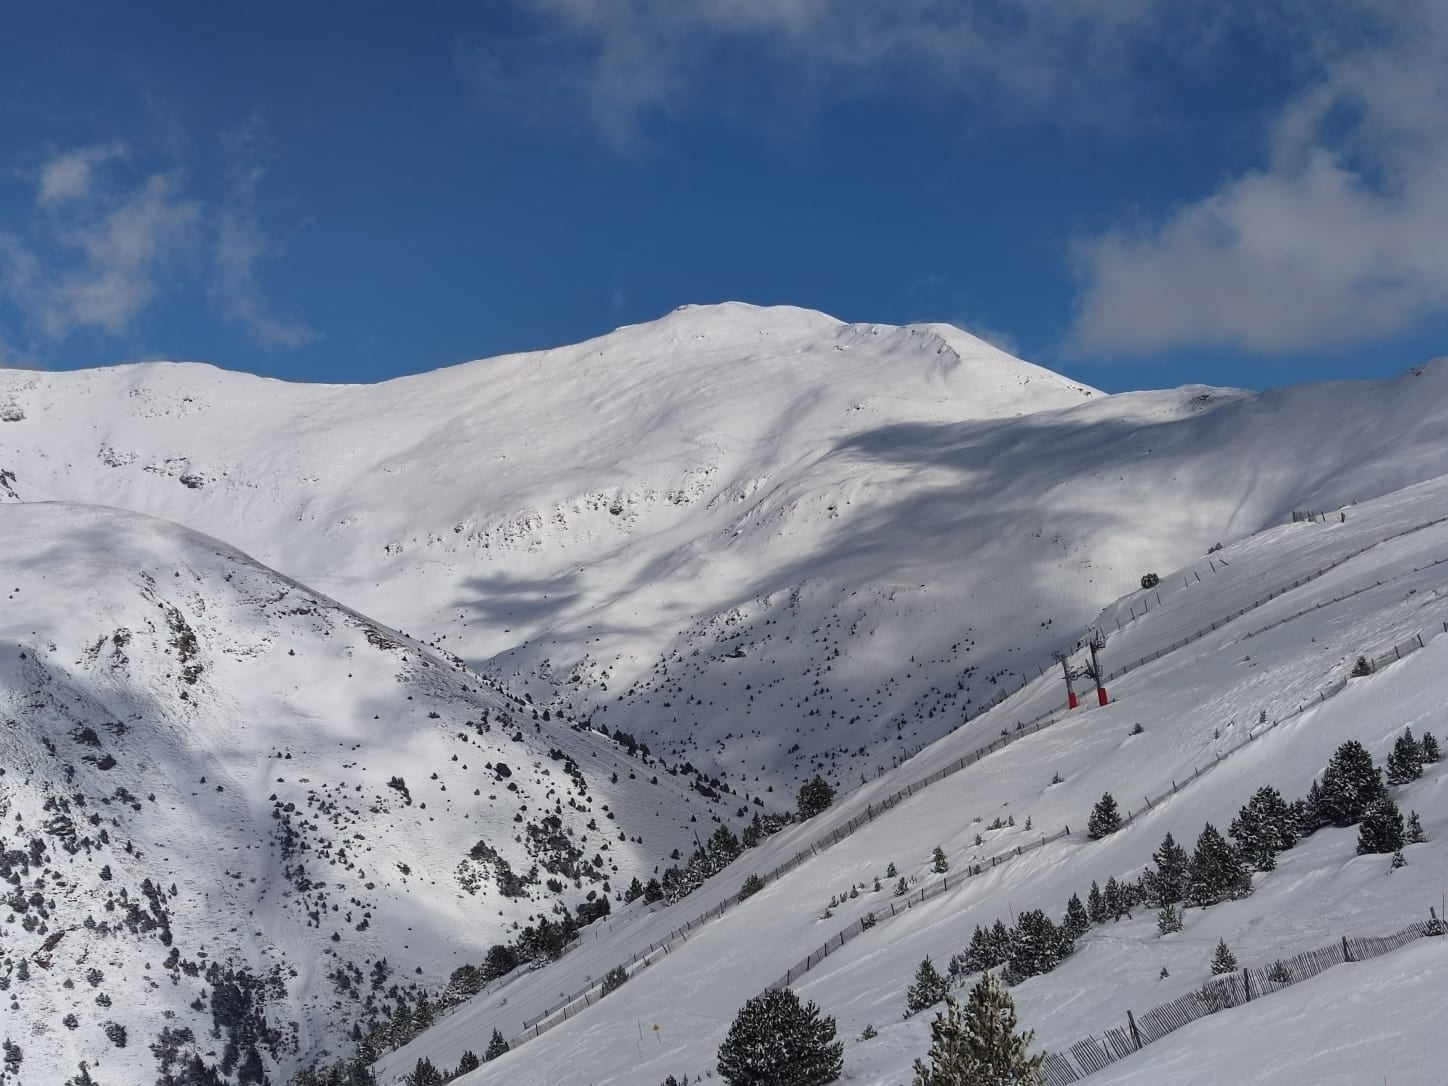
pixel 764 543
pixel 638 527
pixel 223 787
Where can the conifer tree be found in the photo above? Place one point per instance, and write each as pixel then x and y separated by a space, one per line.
pixel 1105 818
pixel 1381 829
pixel 1037 946
pixel 1350 784
pixel 1430 748
pixel 1223 960
pixel 1415 834
pixel 1096 904
pixel 1405 763
pixel 1076 921
pixel 815 795
pixel 1216 872
pixel 978 1045
pixel 1168 882
pixel 1168 920
pixel 778 1041
pixel 496 1047
pixel 1266 826
pixel 468 1062
pixel 1111 899
pixel 941 864
pixel 425 1074
pixel 929 988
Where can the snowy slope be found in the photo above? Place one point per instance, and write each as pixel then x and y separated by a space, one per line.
pixel 642 525
pixel 1197 705
pixel 174 713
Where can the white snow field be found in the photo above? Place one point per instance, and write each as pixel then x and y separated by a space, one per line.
pixel 1194 703
pixel 768 545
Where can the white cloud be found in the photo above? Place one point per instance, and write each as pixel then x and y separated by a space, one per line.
pixel 98 256
pixel 622 63
pixel 105 243
pixel 1341 235
pixel 69 176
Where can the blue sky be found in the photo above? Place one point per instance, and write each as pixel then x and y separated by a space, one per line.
pixel 1136 192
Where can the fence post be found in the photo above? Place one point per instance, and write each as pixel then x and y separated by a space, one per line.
pixel 1247 984
pixel 1135 1036
pixel 1346 950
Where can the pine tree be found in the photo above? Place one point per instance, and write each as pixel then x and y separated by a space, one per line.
pixel 979 956
pixel 1105 818
pixel 1168 882
pixel 777 1041
pixel 1223 961
pixel 1399 860
pixel 929 988
pixel 1168 920
pixel 1381 829
pixel 979 1045
pixel 1405 763
pixel 941 865
pixel 1037 946
pixel 614 979
pixel 424 1074
pixel 1216 872
pixel 902 887
pixel 1096 905
pixel 1350 784
pixel 1111 899
pixel 496 1047
pixel 1430 748
pixel 1266 826
pixel 1415 834
pixel 1278 973
pixel 468 1062
pixel 1076 921
pixel 815 795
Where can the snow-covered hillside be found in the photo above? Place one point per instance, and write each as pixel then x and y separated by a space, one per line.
pixel 206 766
pixel 870 530
pixel 1252 675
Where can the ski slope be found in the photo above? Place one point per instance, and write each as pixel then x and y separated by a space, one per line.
pixel 1194 703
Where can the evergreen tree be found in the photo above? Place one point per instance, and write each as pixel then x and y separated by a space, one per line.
pixel 1278 973
pixel 777 1041
pixel 1350 784
pixel 980 955
pixel 929 988
pixel 1167 884
pixel 1168 920
pixel 815 796
pixel 1223 960
pixel 468 1062
pixel 1076 922
pixel 1111 899
pixel 424 1074
pixel 1405 763
pixel 979 1045
pixel 941 864
pixel 1096 905
pixel 1311 816
pixel 1415 834
pixel 496 1047
pixel 635 890
pixel 1216 872
pixel 1037 946
pixel 423 1015
pixel 1266 826
pixel 1381 829
pixel 1105 818
pixel 614 979
pixel 1430 748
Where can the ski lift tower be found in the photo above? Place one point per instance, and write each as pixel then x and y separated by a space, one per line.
pixel 1072 674
pixel 1093 669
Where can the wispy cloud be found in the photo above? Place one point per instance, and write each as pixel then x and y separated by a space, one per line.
pixel 624 63
pixel 241 246
pixel 1339 236
pixel 107 241
pixel 97 253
